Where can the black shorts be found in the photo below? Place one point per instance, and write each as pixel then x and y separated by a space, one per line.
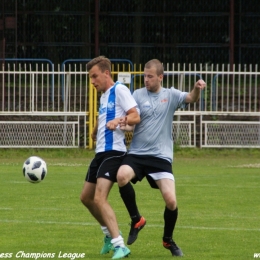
pixel 144 164
pixel 105 165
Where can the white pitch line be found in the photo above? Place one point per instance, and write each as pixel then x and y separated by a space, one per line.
pixel 51 164
pixel 148 225
pixel 49 209
pixel 220 228
pixel 230 216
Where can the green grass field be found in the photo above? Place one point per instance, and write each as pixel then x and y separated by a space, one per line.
pixel 218 196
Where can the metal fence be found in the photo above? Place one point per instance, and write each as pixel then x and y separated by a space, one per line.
pixel 51 134
pixel 40 107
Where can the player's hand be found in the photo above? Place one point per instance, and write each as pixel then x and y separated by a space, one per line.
pixel 94 136
pixel 112 124
pixel 123 123
pixel 200 84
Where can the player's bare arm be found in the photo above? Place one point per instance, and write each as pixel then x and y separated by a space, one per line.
pixel 128 122
pixel 94 132
pixel 132 118
pixel 194 95
pixel 124 126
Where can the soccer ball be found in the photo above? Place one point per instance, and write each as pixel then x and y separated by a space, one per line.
pixel 34 169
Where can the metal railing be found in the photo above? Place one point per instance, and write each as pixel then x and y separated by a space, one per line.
pixel 230 96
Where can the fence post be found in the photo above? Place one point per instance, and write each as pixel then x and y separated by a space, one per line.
pixel 91 115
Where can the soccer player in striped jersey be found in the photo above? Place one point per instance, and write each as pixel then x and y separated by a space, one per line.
pixel 116 102
pixel 151 150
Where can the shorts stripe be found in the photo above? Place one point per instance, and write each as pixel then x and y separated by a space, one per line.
pixel 161 175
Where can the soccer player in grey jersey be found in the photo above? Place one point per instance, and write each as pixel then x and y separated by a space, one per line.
pixel 151 150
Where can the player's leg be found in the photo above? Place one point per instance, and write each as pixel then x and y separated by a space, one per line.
pixel 124 176
pixel 116 240
pixel 88 191
pixel 167 188
pixel 87 198
pixel 103 188
pixel 106 176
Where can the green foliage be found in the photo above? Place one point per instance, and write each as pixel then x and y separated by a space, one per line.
pixel 217 193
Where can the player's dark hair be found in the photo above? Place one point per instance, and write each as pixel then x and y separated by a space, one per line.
pixel 155 63
pixel 102 62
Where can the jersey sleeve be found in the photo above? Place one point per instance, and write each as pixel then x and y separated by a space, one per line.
pixel 125 98
pixel 179 97
pixel 135 96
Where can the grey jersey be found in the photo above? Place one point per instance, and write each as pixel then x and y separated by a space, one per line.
pixel 153 135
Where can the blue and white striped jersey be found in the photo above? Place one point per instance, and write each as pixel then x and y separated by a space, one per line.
pixel 114 103
pixel 153 135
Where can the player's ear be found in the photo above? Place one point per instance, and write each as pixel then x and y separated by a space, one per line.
pixel 107 72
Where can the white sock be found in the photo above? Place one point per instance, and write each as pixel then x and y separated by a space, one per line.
pixel 105 231
pixel 119 241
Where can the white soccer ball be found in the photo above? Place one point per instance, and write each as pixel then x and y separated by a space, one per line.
pixel 34 169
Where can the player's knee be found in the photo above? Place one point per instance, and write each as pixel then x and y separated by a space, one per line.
pixel 99 201
pixel 122 178
pixel 85 200
pixel 124 175
pixel 171 202
pixel 171 206
pixel 82 199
